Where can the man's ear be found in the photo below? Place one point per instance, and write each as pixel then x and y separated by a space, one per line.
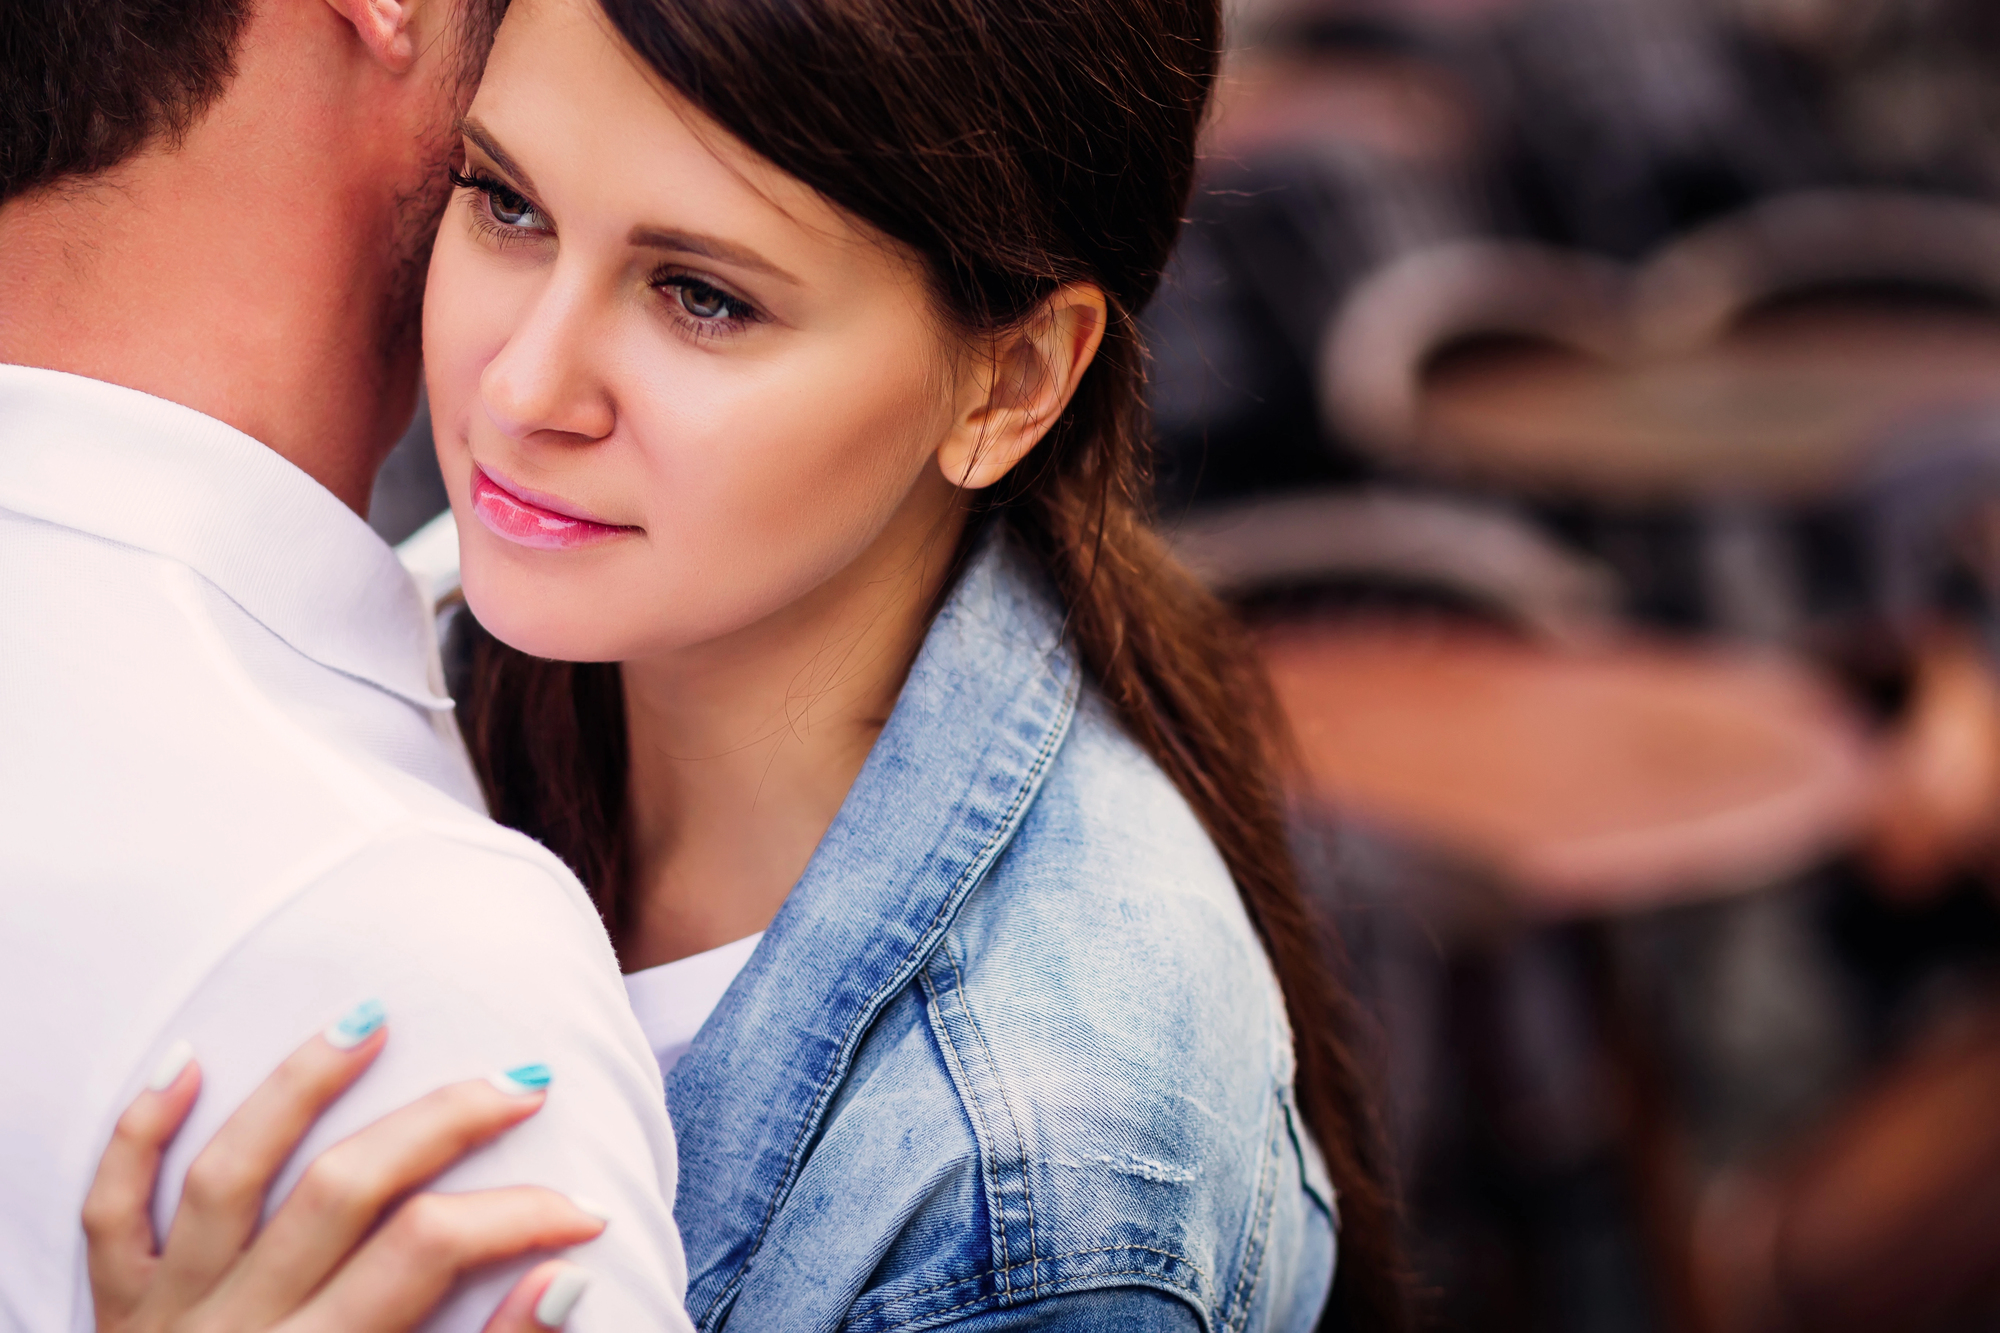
pixel 1024 379
pixel 386 27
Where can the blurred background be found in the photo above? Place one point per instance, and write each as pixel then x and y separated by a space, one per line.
pixel 1594 407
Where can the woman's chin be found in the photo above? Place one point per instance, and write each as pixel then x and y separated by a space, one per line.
pixel 543 623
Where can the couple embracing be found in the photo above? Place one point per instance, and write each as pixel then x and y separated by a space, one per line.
pixel 850 888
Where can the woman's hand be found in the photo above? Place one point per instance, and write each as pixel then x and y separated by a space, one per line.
pixel 342 1254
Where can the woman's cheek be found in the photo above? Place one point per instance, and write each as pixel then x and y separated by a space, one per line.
pixel 471 307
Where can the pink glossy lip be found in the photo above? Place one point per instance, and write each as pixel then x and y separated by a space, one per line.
pixel 533 520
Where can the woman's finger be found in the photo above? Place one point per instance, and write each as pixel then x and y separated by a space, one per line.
pixel 541 1300
pixel 222 1198
pixel 346 1189
pixel 118 1211
pixel 398 1278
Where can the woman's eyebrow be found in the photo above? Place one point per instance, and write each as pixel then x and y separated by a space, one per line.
pixel 483 137
pixel 654 238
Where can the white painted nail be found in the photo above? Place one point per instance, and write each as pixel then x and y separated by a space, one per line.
pixel 560 1297
pixel 171 1064
pixel 585 1204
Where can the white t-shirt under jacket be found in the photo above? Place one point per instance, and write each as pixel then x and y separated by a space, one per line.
pixel 232 804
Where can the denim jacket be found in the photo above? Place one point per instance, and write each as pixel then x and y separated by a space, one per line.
pixel 1011 1055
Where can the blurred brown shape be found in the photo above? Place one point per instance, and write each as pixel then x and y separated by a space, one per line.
pixel 1940 797
pixel 1760 355
pixel 1789 404
pixel 1480 554
pixel 1890 1221
pixel 1402 109
pixel 1603 780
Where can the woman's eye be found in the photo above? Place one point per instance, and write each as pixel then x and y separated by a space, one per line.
pixel 701 300
pixel 510 209
pixel 708 309
pixel 504 206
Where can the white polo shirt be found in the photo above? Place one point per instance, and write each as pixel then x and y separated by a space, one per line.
pixel 233 803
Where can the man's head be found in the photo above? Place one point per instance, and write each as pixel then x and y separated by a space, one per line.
pixel 174 172
pixel 84 84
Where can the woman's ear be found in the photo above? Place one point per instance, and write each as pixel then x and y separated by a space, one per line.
pixel 386 27
pixel 1023 380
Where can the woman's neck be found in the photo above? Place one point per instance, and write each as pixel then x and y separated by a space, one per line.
pixel 742 750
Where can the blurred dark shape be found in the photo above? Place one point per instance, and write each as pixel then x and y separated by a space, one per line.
pixel 1376 548
pixel 409 490
pixel 1885 1219
pixel 1352 144
pixel 1775 353
pixel 1632 120
pixel 1467 716
pixel 1272 245
pixel 1907 85
pixel 1433 945
pixel 1606 125
pixel 1523 356
pixel 1499 805
pixel 1719 425
pixel 1933 518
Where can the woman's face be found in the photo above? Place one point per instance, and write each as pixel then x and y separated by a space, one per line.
pixel 674 391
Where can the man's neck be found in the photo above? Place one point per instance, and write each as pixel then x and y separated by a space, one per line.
pixel 233 276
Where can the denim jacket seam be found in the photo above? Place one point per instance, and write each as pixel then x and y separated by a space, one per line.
pixel 976 866
pixel 1257 1242
pixel 1020 1139
pixel 1329 1201
pixel 982 1133
pixel 1199 1297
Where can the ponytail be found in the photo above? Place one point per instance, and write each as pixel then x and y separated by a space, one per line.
pixel 1188 687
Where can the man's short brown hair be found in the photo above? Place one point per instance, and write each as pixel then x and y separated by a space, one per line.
pixel 84 84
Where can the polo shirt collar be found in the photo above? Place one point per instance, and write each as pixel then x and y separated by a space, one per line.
pixel 160 477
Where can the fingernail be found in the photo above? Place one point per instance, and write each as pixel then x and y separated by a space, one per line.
pixel 560 1297
pixel 171 1064
pixel 583 1203
pixel 522 1080
pixel 356 1025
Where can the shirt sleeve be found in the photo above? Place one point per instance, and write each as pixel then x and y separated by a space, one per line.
pixel 1115 1310
pixel 484 959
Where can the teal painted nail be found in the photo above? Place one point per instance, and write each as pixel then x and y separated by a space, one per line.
pixel 357 1025
pixel 522 1080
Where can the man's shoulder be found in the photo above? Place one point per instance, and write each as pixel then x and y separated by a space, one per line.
pixel 163 811
pixel 123 715
pixel 161 733
pixel 457 872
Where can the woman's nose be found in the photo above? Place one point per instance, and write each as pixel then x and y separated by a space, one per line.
pixel 542 380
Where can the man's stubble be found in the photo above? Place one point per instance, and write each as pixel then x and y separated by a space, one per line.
pixel 419 208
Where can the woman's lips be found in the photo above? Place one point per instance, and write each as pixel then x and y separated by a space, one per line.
pixel 510 514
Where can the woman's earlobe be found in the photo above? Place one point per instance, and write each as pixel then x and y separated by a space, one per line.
pixel 1034 371
pixel 985 448
pixel 974 465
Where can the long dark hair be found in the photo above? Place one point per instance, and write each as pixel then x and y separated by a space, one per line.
pixel 1016 145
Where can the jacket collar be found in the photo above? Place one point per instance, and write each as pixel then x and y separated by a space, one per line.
pixel 164 478
pixel 985 707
